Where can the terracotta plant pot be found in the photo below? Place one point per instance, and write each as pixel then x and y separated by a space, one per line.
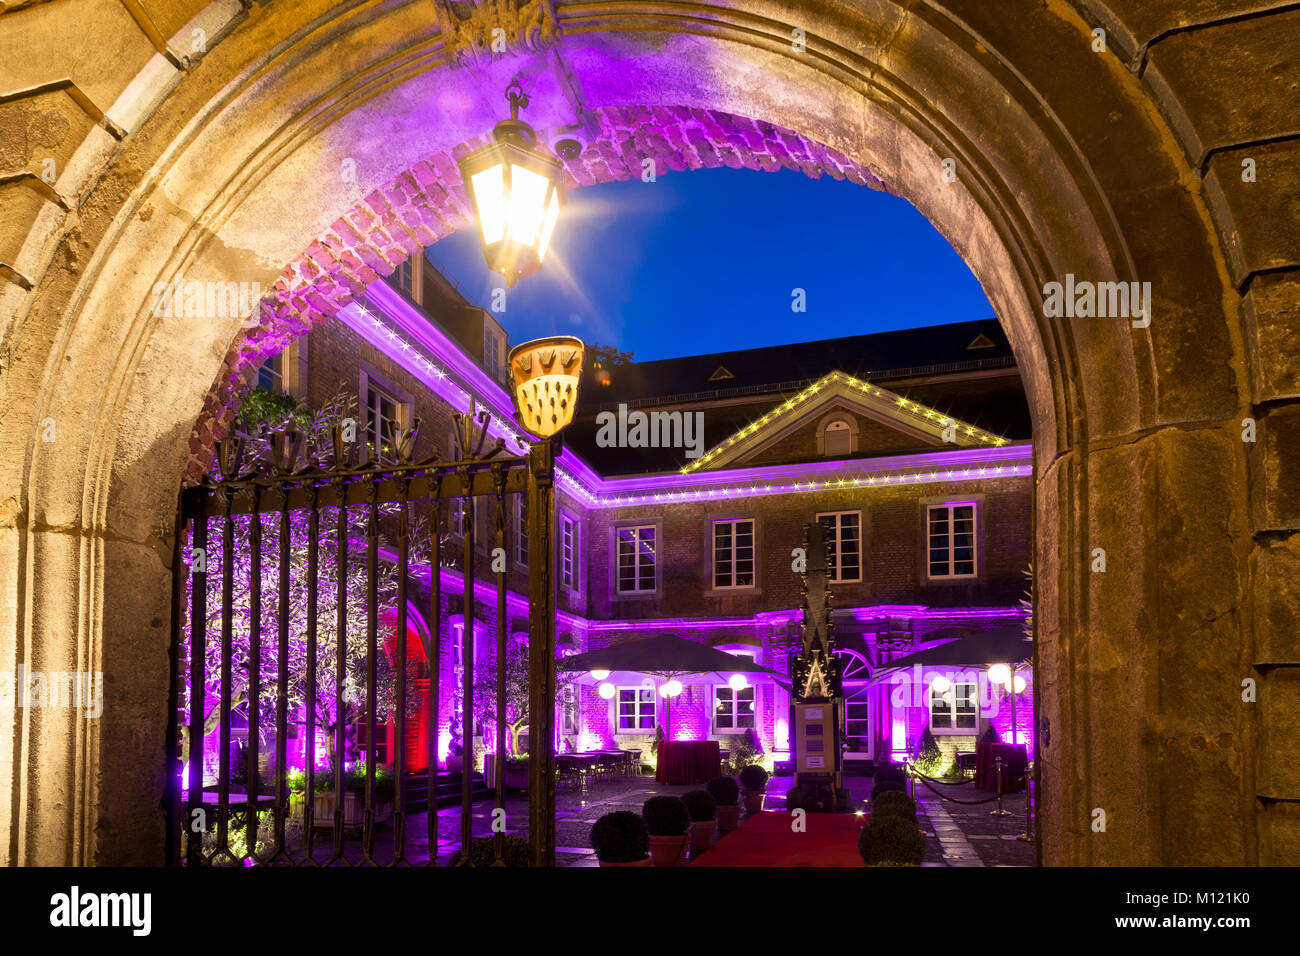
pixel 702 836
pixel 728 817
pixel 669 850
pixel 646 862
pixel 753 800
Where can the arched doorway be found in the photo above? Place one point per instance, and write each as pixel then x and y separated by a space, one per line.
pixel 296 116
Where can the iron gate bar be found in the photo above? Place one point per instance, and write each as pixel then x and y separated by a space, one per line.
pixel 467 683
pixel 403 566
pixel 541 652
pixel 198 658
pixel 433 659
pixel 313 583
pixel 372 634
pixel 281 674
pixel 227 639
pixel 499 837
pixel 252 765
pixel 340 664
pixel 474 480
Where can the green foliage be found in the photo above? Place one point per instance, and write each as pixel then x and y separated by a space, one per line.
pixel 354 781
pixel 891 839
pixel 485 692
pixel 725 791
pixel 885 786
pixel 270 409
pixel 746 749
pixel 753 777
pixel 665 815
pixel 700 804
pixel 620 837
pixel 927 756
pixel 893 802
pixel 482 852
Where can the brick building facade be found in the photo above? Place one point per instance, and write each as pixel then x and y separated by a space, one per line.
pixel 913 445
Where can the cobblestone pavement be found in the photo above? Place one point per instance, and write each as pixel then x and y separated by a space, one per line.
pixel 955 835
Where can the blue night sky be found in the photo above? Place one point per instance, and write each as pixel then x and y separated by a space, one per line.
pixel 707 261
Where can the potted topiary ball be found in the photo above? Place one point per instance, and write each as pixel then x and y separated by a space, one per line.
pixel 893 802
pixel 667 821
pixel 620 839
pixel 700 807
pixel 753 781
pixel 726 794
pixel 891 838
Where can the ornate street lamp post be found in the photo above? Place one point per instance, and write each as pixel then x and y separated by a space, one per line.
pixel 544 375
pixel 517 191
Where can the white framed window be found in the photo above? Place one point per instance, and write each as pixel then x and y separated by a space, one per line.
pixel 956 709
pixel 950 533
pixel 844 532
pixel 635 559
pixel 838 439
pixel 521 529
pixel 569 709
pixel 493 354
pixel 402 277
pixel 636 710
pixel 568 552
pixel 270 377
pixel 383 410
pixel 733 710
pixel 458 673
pixel 733 553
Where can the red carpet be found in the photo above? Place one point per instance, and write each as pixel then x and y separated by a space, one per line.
pixel 766 840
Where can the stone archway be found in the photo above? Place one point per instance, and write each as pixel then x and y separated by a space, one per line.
pixel 228 168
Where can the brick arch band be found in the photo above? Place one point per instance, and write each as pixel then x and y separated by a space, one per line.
pixel 428 202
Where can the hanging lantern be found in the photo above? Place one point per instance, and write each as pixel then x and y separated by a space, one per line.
pixel 545 374
pixel 737 682
pixel 599 674
pixel 607 691
pixel 517 191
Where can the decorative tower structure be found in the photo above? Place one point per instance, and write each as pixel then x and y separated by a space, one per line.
pixel 817 700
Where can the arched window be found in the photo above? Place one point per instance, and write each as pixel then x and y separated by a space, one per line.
pixel 838 439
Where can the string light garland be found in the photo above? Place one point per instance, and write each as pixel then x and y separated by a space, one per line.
pixel 933 417
pixel 419 362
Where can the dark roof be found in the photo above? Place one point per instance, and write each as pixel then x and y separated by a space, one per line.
pixel 863 356
pixel 995 402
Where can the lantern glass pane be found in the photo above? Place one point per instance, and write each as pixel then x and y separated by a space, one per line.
pixel 527 204
pixel 548 227
pixel 490 198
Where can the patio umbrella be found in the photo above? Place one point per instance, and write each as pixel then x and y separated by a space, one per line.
pixel 1001 645
pixel 666 657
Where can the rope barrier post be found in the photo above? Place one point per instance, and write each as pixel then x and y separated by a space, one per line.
pixel 1028 835
pixel 999 812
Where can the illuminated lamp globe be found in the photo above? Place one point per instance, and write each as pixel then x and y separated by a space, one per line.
pixel 517 190
pixel 607 691
pixel 599 674
pixel 1019 684
pixel 737 682
pixel 1000 674
pixel 673 688
pixel 544 375
pixel 940 684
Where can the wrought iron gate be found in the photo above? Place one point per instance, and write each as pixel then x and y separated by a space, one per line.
pixel 294 533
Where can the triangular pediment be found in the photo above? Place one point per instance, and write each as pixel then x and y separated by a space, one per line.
pixel 839 392
pixel 981 341
pixel 721 374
